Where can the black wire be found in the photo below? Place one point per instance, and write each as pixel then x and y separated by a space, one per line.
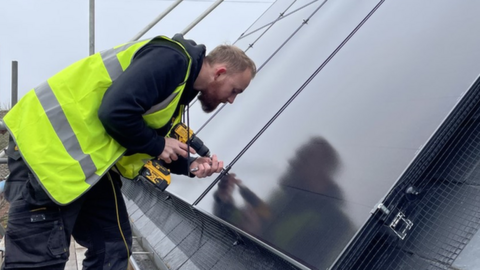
pixel 188 138
pixel 197 215
pixel 283 16
pixel 270 26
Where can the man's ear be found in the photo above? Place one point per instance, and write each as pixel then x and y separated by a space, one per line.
pixel 221 70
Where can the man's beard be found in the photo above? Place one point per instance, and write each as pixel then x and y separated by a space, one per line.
pixel 208 102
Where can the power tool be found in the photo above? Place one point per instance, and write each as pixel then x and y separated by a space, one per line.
pixel 184 134
pixel 154 170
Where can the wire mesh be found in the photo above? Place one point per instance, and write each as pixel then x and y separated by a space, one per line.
pixel 439 194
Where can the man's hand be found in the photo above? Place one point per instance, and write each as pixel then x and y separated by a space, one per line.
pixel 174 148
pixel 226 186
pixel 206 166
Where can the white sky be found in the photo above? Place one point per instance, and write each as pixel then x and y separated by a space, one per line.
pixel 46 36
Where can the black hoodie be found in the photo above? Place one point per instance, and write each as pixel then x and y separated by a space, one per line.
pixel 155 72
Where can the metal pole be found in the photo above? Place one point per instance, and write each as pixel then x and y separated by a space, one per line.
pixel 156 20
pixel 203 15
pixel 92 27
pixel 133 263
pixel 14 82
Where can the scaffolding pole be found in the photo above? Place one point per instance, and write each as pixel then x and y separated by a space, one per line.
pixel 14 83
pixel 156 20
pixel 201 17
pixel 92 27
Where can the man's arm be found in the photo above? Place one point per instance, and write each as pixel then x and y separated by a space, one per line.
pixel 152 76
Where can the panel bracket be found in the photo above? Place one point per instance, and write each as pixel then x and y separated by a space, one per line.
pixel 401 225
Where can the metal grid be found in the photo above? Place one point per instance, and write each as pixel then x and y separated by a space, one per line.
pixel 184 238
pixel 439 194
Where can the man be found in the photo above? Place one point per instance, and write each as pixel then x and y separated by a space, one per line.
pixel 73 136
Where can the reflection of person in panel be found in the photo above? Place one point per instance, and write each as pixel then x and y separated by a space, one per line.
pixel 303 217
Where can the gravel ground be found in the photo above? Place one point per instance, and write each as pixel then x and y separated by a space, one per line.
pixel 3 145
pixel 143 261
pixel 3 174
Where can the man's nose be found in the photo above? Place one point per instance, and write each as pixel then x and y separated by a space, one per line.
pixel 231 99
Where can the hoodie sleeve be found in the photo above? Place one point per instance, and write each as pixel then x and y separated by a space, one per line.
pixel 153 75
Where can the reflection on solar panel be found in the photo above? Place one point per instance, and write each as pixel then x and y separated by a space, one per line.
pixel 357 146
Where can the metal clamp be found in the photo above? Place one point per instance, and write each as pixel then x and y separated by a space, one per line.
pixel 401 225
pixel 381 207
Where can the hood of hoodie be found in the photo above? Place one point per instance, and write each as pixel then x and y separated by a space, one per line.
pixel 197 53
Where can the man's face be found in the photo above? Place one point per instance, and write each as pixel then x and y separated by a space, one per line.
pixel 224 88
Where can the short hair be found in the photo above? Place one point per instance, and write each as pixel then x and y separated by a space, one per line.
pixel 235 59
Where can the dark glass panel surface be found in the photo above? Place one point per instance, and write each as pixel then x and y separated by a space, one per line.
pixel 237 124
pixel 335 152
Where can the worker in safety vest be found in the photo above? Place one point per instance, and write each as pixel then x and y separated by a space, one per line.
pixel 75 134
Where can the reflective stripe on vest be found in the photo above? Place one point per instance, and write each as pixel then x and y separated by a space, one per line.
pixel 57 129
pixel 65 132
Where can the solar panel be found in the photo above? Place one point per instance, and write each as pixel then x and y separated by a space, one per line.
pixel 355 147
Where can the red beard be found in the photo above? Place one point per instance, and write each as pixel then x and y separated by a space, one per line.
pixel 209 104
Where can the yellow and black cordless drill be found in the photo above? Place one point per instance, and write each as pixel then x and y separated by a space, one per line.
pixel 154 170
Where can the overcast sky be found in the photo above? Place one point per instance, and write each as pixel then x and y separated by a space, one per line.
pixel 45 36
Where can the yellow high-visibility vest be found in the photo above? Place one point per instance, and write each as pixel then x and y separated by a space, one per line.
pixel 59 134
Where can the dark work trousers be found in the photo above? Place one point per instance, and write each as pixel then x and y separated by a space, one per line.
pixel 38 230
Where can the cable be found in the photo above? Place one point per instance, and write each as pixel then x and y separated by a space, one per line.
pixel 270 26
pixel 188 139
pixel 118 217
pixel 283 16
